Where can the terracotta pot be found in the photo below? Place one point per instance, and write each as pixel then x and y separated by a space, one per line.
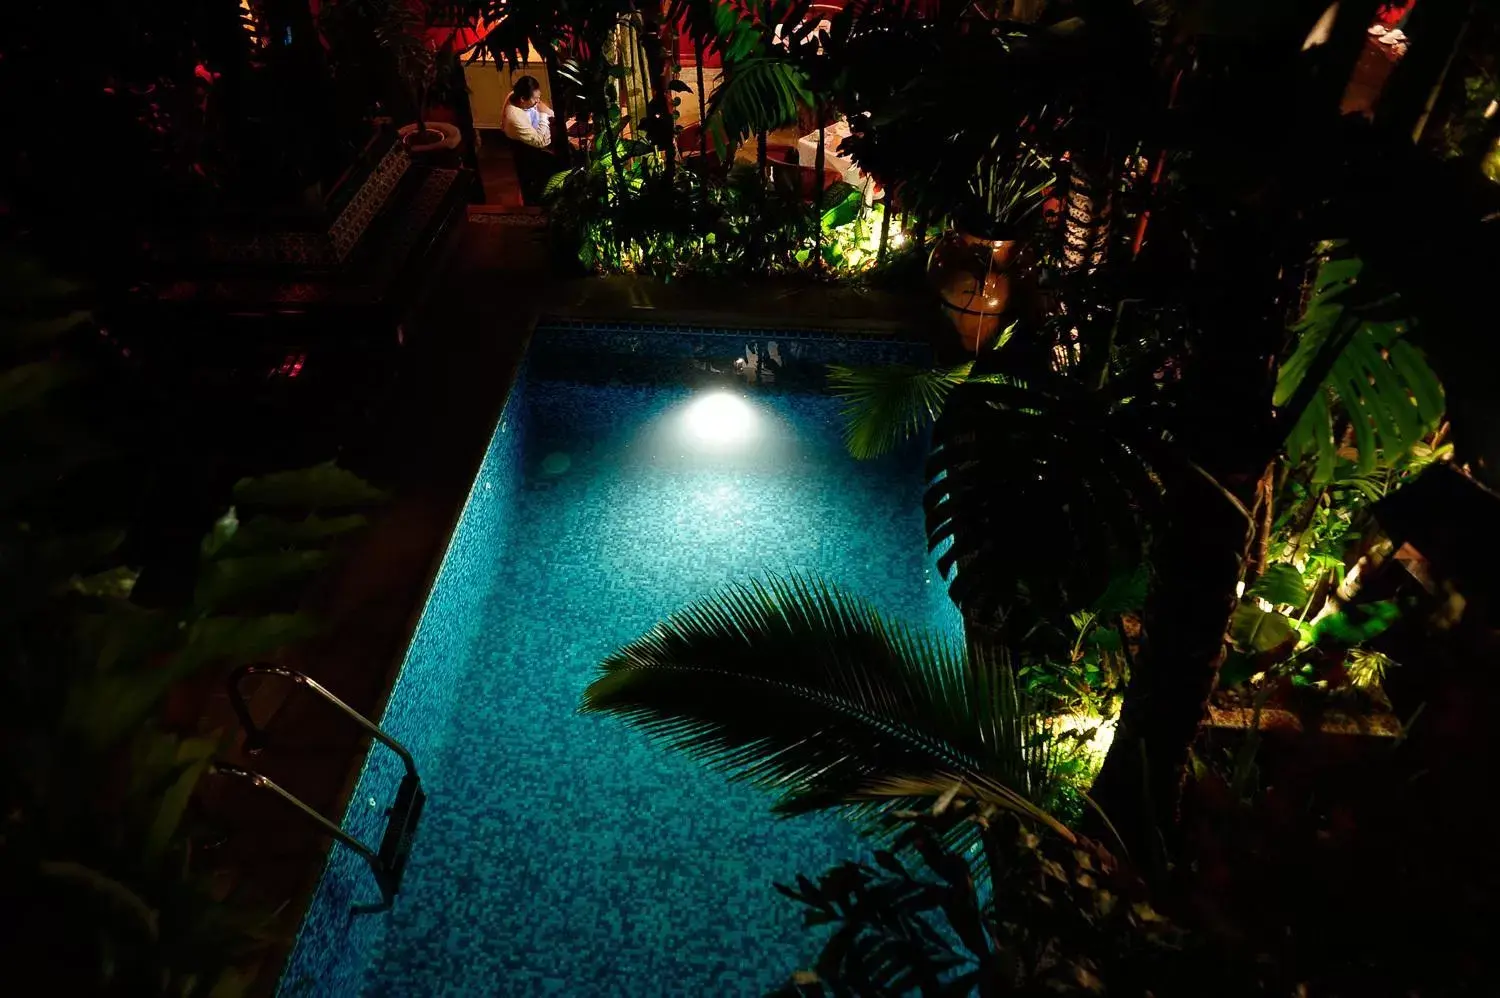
pixel 976 279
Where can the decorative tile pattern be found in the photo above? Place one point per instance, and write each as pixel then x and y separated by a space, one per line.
pixel 569 855
pixel 416 216
pixel 317 248
pixel 368 201
pixel 524 220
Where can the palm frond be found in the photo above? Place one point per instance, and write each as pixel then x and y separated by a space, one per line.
pixel 946 787
pixel 884 406
pixel 807 691
pixel 757 94
pixel 1041 492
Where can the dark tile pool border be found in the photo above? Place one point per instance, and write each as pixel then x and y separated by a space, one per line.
pixel 811 346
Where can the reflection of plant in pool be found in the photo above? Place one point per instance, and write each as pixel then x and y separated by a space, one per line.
pixel 803 689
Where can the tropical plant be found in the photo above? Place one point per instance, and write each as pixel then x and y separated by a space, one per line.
pixel 1378 382
pixel 885 406
pixel 105 885
pixel 798 687
pixel 1004 192
pixel 417 37
pixel 1043 915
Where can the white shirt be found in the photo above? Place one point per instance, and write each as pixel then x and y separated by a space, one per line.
pixel 529 126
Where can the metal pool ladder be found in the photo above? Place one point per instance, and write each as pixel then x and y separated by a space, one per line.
pixel 388 861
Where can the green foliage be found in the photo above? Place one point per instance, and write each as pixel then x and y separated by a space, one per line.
pixel 1356 623
pixel 638 218
pixel 1007 188
pixel 884 406
pixel 805 690
pixel 1378 383
pixel 323 486
pixel 1023 535
pixel 1255 630
pixel 1280 585
pixel 1041 914
pixel 106 891
pixel 758 94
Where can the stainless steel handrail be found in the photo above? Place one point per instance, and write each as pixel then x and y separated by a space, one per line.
pixel 255 737
pixel 266 783
pixel 388 862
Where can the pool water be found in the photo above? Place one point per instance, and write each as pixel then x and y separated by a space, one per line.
pixel 568 855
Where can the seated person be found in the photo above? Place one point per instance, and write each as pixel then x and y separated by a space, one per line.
pixel 527 119
pixel 528 126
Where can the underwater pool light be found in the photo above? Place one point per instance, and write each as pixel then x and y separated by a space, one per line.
pixel 720 418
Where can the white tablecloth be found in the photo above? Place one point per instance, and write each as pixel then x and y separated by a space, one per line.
pixel 833 137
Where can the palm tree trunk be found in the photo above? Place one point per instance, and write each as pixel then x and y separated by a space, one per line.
pixel 818 160
pixel 1201 552
pixel 885 229
pixel 1087 210
pixel 1197 563
pixel 655 38
pixel 761 154
pixel 702 101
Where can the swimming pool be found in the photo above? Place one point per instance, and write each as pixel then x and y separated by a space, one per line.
pixel 632 471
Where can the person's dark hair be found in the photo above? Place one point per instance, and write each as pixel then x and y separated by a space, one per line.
pixel 526 86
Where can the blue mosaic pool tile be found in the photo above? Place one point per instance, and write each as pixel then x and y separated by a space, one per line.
pixel 568 855
pixel 334 947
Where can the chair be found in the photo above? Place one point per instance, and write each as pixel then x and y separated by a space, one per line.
pixel 689 139
pixel 534 167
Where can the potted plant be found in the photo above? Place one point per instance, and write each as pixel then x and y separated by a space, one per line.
pixel 974 265
pixel 421 48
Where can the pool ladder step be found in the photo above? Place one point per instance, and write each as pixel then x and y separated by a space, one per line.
pixel 388 861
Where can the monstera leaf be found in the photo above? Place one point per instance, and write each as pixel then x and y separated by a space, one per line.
pixel 1042 491
pixel 1377 380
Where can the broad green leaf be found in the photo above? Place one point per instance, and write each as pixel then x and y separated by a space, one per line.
pixel 267 533
pixel 841 205
pixel 123 635
pixel 225 580
pixel 1237 669
pixel 193 756
pixel 50 564
pixel 114 582
pixel 222 533
pixel 1382 382
pixel 109 705
pixel 555 183
pixel 1280 585
pixel 26 384
pixel 1255 630
pixel 18 333
pixel 1125 593
pixel 1356 623
pixel 319 487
